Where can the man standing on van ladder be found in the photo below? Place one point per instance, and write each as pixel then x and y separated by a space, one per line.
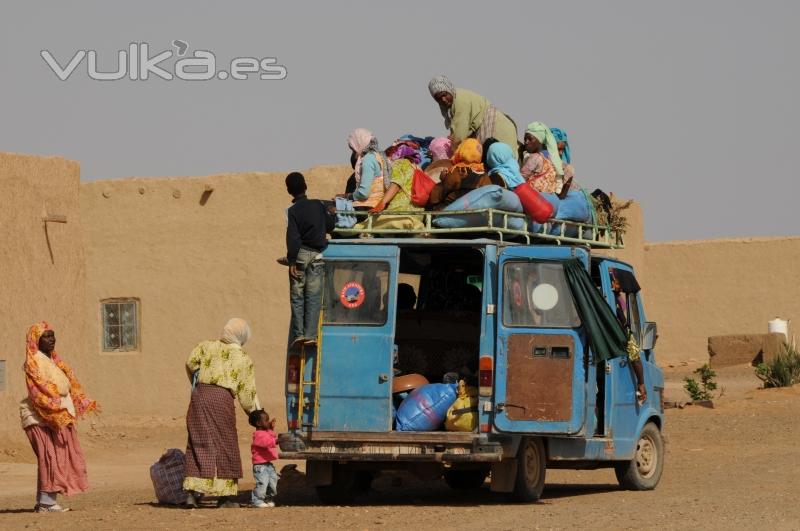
pixel 308 222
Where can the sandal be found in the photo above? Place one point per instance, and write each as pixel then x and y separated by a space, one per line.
pixel 55 508
pixel 227 503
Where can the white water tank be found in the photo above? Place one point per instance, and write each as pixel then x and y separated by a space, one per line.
pixel 779 326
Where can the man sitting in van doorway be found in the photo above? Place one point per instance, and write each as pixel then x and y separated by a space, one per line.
pixel 308 222
pixel 634 352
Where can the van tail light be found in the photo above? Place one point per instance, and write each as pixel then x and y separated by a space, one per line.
pixel 485 376
pixel 292 374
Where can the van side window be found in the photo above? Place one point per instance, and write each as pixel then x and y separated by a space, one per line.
pixel 626 294
pixel 634 317
pixel 536 294
pixel 356 293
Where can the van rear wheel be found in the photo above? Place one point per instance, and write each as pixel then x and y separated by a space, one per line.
pixel 531 468
pixel 346 485
pixel 465 479
pixel 643 472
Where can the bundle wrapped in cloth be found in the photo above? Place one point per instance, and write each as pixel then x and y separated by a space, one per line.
pixel 491 196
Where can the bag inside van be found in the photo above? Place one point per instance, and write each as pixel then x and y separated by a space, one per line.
pixel 438 327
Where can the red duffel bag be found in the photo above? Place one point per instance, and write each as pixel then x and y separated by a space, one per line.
pixel 421 186
pixel 536 206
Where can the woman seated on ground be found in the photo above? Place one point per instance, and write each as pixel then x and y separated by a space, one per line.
pixel 404 158
pixel 543 171
pixel 466 174
pixel 372 172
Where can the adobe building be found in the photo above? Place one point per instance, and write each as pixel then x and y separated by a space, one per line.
pixel 133 273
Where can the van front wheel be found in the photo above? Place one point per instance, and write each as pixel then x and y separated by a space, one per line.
pixel 531 468
pixel 643 472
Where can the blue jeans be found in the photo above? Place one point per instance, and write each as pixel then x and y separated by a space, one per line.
pixel 305 295
pixel 266 483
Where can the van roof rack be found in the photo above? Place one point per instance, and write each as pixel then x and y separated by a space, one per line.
pixel 485 222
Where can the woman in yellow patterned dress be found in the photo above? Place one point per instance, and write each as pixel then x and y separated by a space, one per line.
pixel 220 370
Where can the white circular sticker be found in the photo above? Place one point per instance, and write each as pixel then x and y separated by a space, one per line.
pixel 545 297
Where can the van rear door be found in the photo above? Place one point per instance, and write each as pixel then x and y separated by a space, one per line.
pixel 540 384
pixel 358 337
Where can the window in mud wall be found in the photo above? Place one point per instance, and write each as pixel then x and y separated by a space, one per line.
pixel 120 324
pixel 2 375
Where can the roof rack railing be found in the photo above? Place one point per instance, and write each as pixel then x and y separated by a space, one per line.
pixel 493 222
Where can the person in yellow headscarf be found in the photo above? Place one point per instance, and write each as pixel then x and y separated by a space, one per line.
pixel 55 401
pixel 466 174
pixel 469 115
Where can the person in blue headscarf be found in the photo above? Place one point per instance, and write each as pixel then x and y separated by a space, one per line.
pixel 566 156
pixel 502 161
pixel 563 144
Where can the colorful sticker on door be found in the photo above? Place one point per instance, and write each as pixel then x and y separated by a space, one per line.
pixel 352 295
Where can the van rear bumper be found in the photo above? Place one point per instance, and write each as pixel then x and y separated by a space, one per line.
pixel 438 446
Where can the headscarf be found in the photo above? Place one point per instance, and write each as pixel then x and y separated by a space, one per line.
pixel 561 136
pixel 43 394
pixel 443 84
pixel 236 331
pixel 362 141
pixel 544 135
pixel 441 148
pixel 501 160
pixel 468 156
pixel 404 149
pixel 439 84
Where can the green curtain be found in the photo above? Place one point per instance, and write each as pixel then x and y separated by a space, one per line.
pixel 606 336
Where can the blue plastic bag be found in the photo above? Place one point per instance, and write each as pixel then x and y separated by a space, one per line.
pixel 574 207
pixel 426 407
pixel 343 219
pixel 553 199
pixel 490 196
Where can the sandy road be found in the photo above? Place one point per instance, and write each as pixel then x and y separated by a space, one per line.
pixel 735 466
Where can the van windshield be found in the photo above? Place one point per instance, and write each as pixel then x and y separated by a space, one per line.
pixel 356 293
pixel 536 294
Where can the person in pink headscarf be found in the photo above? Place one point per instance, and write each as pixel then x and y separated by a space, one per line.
pixel 404 157
pixel 372 170
pixel 441 148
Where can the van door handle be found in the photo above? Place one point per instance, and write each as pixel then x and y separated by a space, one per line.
pixel 383 378
pixel 502 406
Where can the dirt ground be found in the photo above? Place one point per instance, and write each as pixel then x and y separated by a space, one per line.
pixel 734 466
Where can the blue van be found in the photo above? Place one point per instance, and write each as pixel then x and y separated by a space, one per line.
pixel 497 311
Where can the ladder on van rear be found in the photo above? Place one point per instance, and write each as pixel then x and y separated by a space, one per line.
pixel 314 382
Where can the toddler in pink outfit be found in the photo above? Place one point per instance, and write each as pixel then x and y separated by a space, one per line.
pixel 264 450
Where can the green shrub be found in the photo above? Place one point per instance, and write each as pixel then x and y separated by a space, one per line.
pixel 705 389
pixel 782 371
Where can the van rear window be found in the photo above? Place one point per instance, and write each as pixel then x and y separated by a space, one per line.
pixel 356 293
pixel 536 294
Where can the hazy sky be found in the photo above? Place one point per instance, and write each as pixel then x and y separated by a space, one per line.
pixel 690 107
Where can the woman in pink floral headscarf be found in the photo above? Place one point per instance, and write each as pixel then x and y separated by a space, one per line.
pixel 55 401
